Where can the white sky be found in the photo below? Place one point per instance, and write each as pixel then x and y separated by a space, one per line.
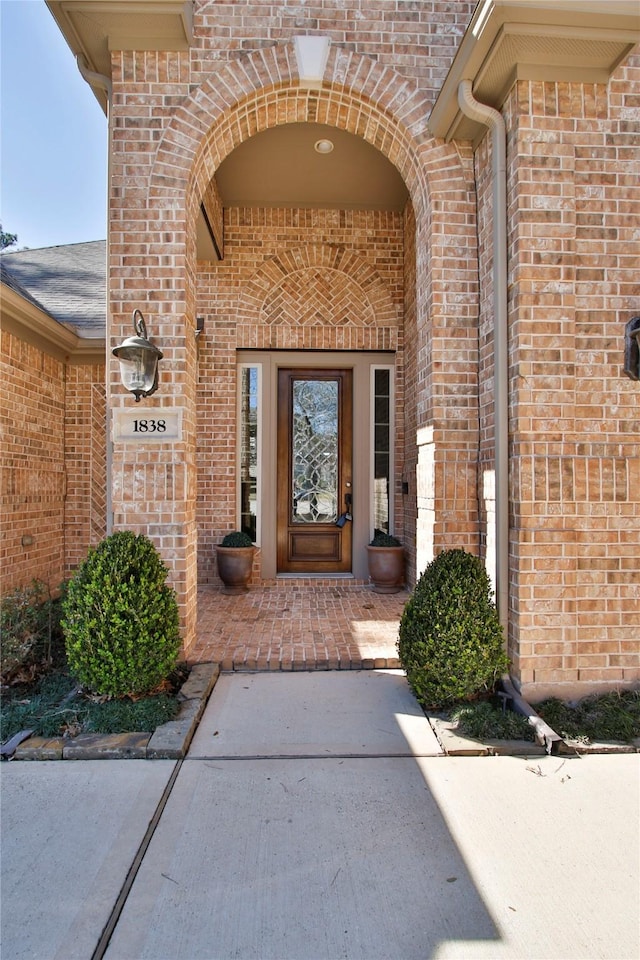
pixel 53 135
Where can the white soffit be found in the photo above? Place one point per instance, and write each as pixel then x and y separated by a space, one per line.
pixel 96 27
pixel 555 40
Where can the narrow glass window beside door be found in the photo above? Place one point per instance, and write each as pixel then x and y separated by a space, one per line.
pixel 249 419
pixel 382 455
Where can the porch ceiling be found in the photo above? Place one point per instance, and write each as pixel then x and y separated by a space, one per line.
pixel 280 168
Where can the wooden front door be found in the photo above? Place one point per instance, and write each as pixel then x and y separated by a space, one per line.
pixel 315 425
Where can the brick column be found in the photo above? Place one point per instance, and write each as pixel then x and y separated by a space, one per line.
pixel 153 481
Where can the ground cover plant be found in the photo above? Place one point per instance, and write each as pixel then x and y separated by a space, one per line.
pixel 485 721
pixel 604 718
pixel 54 705
pixel 607 717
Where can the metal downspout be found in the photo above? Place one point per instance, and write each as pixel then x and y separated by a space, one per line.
pixel 492 118
pixel 102 82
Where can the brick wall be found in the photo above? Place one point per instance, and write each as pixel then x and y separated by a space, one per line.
pixel 53 478
pixel 574 429
pixel 418 40
pixel 573 417
pixel 175 118
pixel 33 477
pixel 85 506
pixel 409 500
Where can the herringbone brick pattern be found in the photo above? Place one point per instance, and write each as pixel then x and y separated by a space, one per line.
pixel 299 624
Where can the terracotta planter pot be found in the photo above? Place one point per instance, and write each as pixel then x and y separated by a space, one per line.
pixel 235 565
pixel 386 568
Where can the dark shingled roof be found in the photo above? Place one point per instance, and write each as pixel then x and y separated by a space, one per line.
pixel 67 282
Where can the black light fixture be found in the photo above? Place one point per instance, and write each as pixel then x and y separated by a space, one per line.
pixel 138 361
pixel 632 348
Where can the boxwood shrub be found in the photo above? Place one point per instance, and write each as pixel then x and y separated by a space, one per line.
pixel 237 538
pixel 451 641
pixel 120 618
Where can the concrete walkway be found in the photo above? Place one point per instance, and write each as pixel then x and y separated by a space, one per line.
pixel 315 819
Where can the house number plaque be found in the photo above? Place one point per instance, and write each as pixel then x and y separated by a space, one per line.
pixel 150 425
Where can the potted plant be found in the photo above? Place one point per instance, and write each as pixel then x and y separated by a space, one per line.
pixel 386 563
pixel 235 561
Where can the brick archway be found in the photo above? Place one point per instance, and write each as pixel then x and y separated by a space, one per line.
pixel 262 89
pixel 252 93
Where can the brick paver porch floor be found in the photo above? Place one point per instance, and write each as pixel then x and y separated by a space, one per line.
pixel 296 624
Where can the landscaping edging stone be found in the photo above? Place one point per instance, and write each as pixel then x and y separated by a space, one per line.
pixel 547 740
pixel 455 745
pixel 569 748
pixel 170 741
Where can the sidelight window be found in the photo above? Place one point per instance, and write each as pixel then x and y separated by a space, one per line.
pixel 250 433
pixel 382 424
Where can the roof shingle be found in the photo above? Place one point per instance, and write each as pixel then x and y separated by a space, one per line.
pixel 67 282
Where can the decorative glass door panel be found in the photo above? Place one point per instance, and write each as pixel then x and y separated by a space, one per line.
pixel 314 451
pixel 314 471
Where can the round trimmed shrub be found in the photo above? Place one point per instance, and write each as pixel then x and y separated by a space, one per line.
pixel 451 641
pixel 237 538
pixel 384 540
pixel 120 618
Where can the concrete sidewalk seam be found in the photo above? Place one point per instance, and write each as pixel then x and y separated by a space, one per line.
pixel 107 932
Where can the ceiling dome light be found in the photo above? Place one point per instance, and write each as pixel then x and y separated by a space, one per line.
pixel 323 146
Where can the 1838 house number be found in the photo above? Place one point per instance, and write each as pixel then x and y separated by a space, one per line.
pixel 147 426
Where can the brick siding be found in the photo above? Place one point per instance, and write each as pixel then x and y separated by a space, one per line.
pixel 52 472
pixel 575 463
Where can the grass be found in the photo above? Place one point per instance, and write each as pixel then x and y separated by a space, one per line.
pixel 53 706
pixel 483 721
pixel 610 717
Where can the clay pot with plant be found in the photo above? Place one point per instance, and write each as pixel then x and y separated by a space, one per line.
pixel 234 555
pixel 385 555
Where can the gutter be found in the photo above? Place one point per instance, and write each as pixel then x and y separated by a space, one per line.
pixel 492 118
pixel 102 82
pixel 544 734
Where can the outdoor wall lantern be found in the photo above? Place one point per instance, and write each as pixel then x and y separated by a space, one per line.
pixel 632 348
pixel 138 361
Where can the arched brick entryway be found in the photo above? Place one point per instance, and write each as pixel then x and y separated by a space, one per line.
pixel 438 328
